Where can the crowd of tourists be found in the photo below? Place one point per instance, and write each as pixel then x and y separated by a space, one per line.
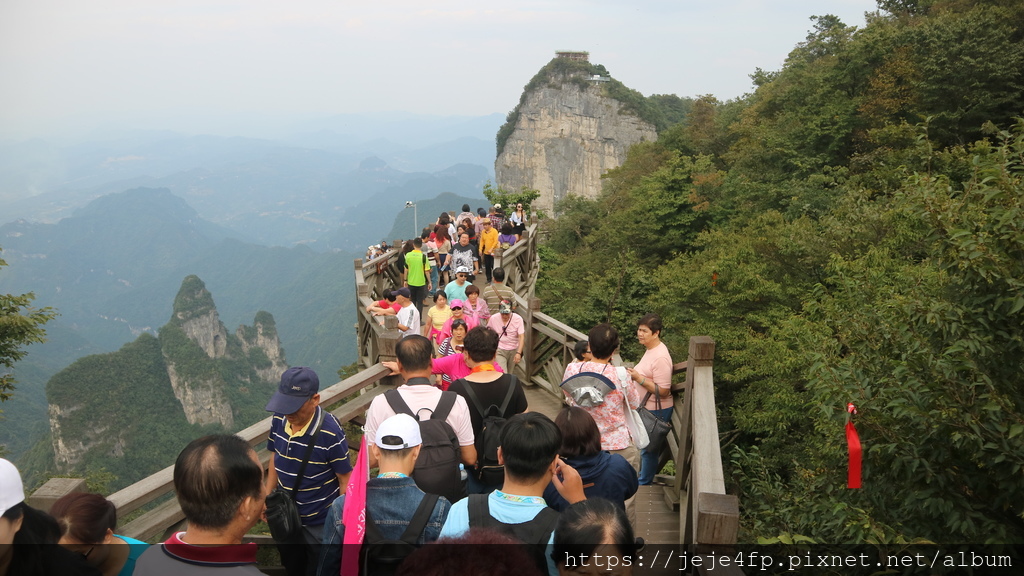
pixel 468 242
pixel 462 464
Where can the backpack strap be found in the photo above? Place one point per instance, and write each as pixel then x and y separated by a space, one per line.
pixel 419 519
pixel 466 385
pixel 512 381
pixel 444 406
pixel 541 527
pixel 471 394
pixel 398 404
pixel 309 451
pixel 536 531
pixel 480 512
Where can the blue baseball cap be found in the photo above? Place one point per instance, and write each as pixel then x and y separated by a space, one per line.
pixel 298 385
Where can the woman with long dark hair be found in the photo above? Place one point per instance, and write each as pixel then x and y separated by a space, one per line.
pixel 87 523
pixel 444 246
pixel 604 475
pixel 28 537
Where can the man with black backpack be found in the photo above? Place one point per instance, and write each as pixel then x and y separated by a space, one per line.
pixel 399 516
pixel 444 420
pixel 529 453
pixel 493 398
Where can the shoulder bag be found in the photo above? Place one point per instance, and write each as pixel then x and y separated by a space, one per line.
pixel 657 429
pixel 282 511
pixel 634 423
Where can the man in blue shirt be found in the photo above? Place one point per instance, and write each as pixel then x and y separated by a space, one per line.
pixel 299 421
pixel 529 452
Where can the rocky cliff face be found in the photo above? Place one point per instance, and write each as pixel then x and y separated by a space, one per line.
pixel 567 135
pixel 197 316
pixel 261 339
pixel 132 410
pixel 199 386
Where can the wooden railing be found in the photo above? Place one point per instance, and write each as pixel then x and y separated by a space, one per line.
pixel 707 515
pixel 158 523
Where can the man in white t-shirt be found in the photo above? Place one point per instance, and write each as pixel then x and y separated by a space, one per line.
pixel 414 364
pixel 408 314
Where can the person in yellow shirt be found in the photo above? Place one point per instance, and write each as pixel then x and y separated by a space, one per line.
pixel 488 242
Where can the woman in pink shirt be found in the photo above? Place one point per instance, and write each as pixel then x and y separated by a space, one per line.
pixel 654 375
pixel 458 313
pixel 476 307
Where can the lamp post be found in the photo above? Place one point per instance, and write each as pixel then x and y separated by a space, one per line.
pixel 415 219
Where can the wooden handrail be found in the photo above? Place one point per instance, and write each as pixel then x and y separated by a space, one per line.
pixel 160 484
pixel 708 516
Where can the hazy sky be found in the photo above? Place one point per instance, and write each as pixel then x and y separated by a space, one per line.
pixel 189 63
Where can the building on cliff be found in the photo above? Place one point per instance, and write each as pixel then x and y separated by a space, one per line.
pixel 578 56
pixel 566 132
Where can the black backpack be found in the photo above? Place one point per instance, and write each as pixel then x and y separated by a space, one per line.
pixel 489 471
pixel 437 468
pixel 535 533
pixel 380 556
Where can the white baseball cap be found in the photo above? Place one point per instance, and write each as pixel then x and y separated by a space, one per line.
pixel 398 432
pixel 12 491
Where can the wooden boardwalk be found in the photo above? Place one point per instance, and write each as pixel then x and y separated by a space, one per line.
pixel 656 522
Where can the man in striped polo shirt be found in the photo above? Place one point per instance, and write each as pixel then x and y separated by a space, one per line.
pixel 298 421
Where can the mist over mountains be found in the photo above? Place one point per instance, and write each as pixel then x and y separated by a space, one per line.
pixel 295 188
pixel 105 230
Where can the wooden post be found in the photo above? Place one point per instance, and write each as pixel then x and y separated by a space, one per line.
pixel 529 356
pixel 718 518
pixel 53 490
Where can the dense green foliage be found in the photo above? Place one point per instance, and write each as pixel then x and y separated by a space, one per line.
pixel 850 232
pixel 509 199
pixel 20 325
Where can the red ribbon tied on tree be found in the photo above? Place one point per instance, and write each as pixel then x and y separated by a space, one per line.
pixel 853 446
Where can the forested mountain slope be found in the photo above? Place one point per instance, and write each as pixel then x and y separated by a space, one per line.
pixel 852 231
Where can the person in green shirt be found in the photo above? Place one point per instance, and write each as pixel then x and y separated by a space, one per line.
pixel 417 275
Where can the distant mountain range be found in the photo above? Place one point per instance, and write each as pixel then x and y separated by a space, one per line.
pixel 296 188
pixel 112 271
pixel 104 230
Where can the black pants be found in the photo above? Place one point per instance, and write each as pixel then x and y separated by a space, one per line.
pixel 301 556
pixel 418 294
pixel 488 266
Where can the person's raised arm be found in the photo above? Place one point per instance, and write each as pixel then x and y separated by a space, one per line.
pixel 568 482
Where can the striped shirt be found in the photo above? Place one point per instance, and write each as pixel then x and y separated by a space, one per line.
pixel 319 485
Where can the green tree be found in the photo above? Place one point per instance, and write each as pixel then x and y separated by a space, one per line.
pixel 509 199
pixel 20 325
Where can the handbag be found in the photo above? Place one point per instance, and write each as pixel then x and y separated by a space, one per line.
pixel 634 423
pixel 282 515
pixel 657 429
pixel 282 510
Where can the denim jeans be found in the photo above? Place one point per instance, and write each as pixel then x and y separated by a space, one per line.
pixel 649 461
pixel 433 281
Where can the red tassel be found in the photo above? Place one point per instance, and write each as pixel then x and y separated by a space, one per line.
pixel 853 445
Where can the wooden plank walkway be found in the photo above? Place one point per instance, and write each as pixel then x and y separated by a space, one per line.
pixel 656 522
